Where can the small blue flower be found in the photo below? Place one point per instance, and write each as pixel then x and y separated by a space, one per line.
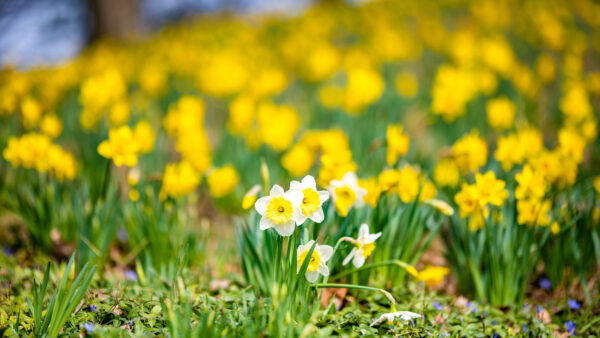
pixel 122 235
pixel 494 322
pixel 570 326
pixel 93 308
pixel 574 305
pixel 525 328
pixel 472 306
pixel 495 335
pixel 89 327
pixel 8 252
pixel 545 283
pixel 438 306
pixel 131 275
pixel 539 309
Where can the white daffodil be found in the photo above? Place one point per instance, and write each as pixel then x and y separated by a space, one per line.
pixel 317 263
pixel 364 245
pixel 393 316
pixel 312 199
pixel 347 193
pixel 279 210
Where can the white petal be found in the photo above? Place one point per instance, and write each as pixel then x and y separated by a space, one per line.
pixel 299 217
pixel 295 185
pixel 363 232
pixel 323 196
pixel 309 182
pixel 372 237
pixel 360 197
pixel 407 315
pixel 294 196
pixel 325 252
pixel 311 276
pixel 317 216
pixel 261 205
pixel 378 320
pixel 350 177
pixel 285 229
pixel 323 269
pixel 349 257
pixel 276 191
pixel 265 223
pixel 359 259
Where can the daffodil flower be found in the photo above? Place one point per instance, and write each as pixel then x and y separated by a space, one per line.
pixel 347 193
pixel 317 263
pixel 364 246
pixel 280 210
pixel 440 206
pixel 393 316
pixel 312 200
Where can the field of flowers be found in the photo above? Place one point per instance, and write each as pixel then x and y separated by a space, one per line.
pixel 391 168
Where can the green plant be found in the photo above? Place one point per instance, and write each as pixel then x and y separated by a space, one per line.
pixel 63 302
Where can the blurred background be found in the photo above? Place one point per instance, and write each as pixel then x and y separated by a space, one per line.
pixel 45 32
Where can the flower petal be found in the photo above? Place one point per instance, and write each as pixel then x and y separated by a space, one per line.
pixel 359 258
pixel 265 223
pixel 294 196
pixel 325 252
pixel 317 216
pixel 309 182
pixel 323 196
pixel 276 191
pixel 295 185
pixel 349 257
pixel 363 232
pixel 261 205
pixel 285 229
pixel 311 276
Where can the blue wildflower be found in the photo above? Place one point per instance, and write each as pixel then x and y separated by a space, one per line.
pixel 494 322
pixel 131 275
pixel 545 284
pixel 438 306
pixel 93 308
pixel 570 326
pixel 525 328
pixel 574 305
pixel 89 327
pixel 472 306
pixel 495 335
pixel 539 309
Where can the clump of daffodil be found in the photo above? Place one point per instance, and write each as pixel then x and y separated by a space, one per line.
pixel 36 151
pixel 446 174
pixel 317 261
pixel 280 210
pixel 532 208
pixel 347 194
pixel 222 181
pixel 397 143
pixel 312 199
pixel 470 152
pixel 51 125
pixel 364 245
pixel 474 199
pixel 121 147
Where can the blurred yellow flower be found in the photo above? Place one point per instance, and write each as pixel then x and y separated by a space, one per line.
pixel 445 173
pixel 222 181
pixel 298 160
pixel 31 112
pixel 373 191
pixel 470 152
pixel 433 275
pixel 144 136
pixel 121 147
pixel 51 125
pixel 179 180
pixel 119 113
pixel 407 84
pixel 397 143
pixel 500 113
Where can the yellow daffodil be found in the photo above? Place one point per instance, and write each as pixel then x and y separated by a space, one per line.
pixel 222 181
pixel 347 194
pixel 121 147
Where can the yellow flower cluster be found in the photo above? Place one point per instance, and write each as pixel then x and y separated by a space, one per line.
pixel 36 151
pixel 406 182
pixel 470 152
pixel 330 146
pixel 124 144
pixel 99 93
pixel 263 122
pixel 515 148
pixel 397 143
pixel 532 207
pixel 222 181
pixel 474 199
